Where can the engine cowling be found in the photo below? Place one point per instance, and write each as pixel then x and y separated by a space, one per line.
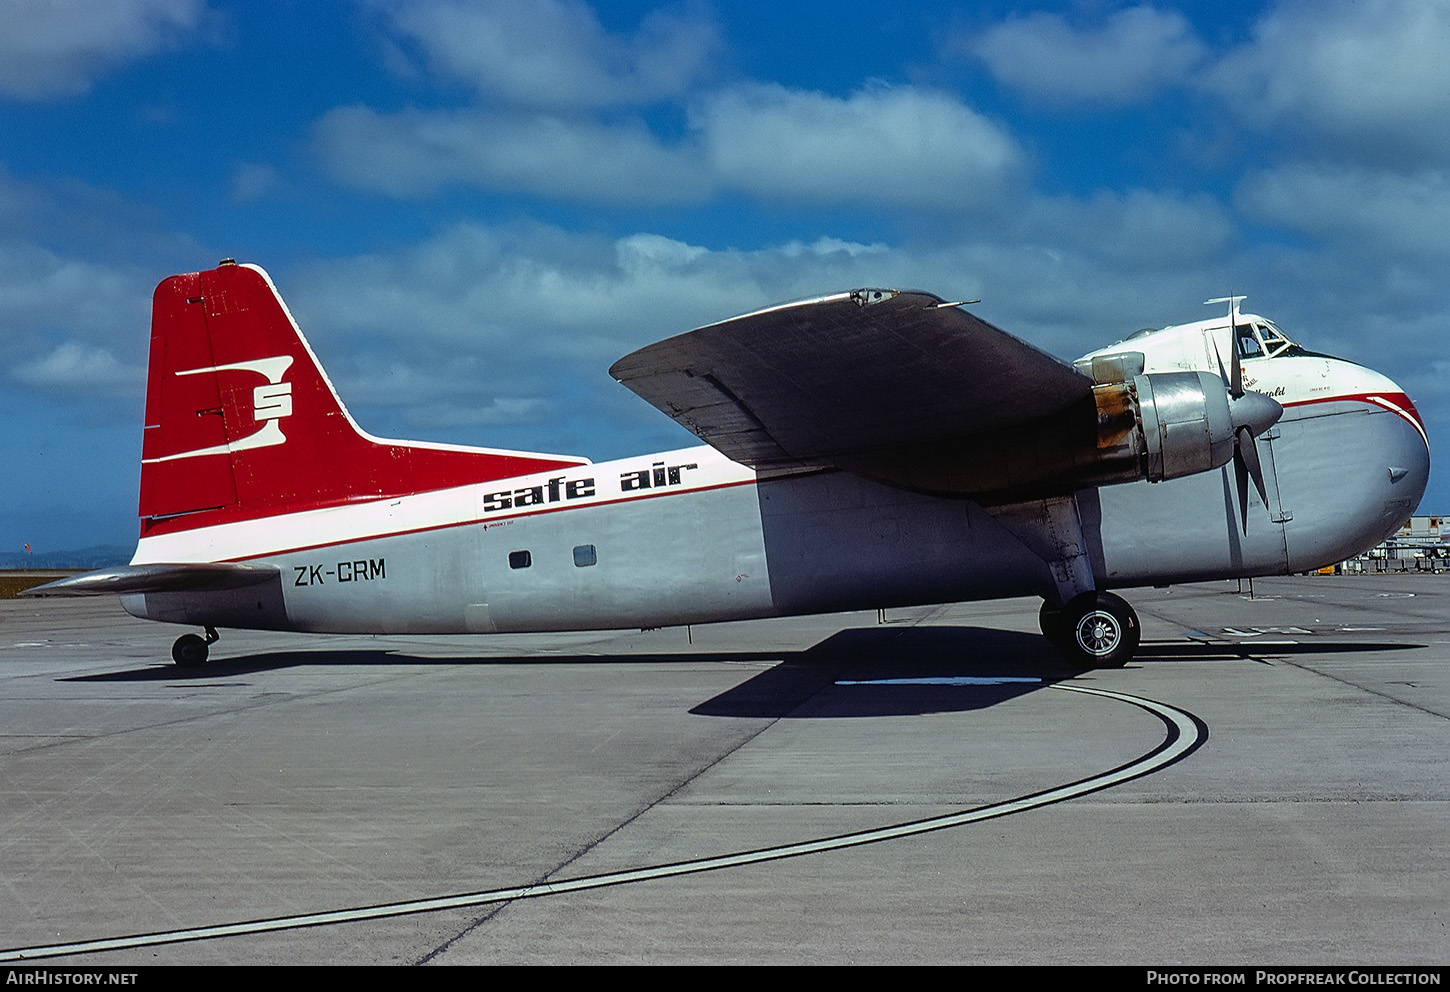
pixel 1161 425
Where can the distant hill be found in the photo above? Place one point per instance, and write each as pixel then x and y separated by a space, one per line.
pixel 100 556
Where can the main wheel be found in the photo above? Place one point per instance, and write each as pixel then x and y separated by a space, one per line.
pixel 189 650
pixel 1101 631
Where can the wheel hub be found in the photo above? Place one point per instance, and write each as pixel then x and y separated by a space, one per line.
pixel 1098 633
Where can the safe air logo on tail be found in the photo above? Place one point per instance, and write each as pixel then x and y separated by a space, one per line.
pixel 242 423
pixel 270 403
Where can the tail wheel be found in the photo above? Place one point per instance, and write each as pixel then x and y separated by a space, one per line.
pixel 1101 631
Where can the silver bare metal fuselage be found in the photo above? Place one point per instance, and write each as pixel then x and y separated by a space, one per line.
pixel 690 537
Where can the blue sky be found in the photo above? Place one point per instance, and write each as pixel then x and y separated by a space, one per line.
pixel 473 208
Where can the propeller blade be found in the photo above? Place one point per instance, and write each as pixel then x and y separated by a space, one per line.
pixel 1241 474
pixel 1247 466
pixel 1252 413
pixel 1250 451
pixel 1236 387
pixel 1221 373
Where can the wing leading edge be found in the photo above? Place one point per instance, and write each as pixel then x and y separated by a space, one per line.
pixel 895 385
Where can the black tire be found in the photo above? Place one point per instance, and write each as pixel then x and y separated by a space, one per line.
pixel 189 651
pixel 1100 631
pixel 1053 624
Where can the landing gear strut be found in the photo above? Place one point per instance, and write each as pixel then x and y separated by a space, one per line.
pixel 1092 630
pixel 191 650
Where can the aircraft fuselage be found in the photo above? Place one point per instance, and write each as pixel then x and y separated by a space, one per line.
pixel 690 537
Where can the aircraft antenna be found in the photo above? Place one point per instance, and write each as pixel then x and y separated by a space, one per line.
pixel 1233 306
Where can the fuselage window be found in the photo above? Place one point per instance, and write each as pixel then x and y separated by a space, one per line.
pixel 520 559
pixel 585 556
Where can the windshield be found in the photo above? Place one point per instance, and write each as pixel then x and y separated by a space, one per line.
pixel 1259 338
pixel 1275 341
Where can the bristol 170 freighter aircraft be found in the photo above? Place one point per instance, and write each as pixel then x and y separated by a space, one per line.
pixel 868 449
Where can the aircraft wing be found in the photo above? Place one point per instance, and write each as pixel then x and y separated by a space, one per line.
pixel 182 577
pixel 873 381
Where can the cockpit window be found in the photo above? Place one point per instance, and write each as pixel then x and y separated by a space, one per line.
pixel 1262 339
pixel 1274 340
pixel 1247 341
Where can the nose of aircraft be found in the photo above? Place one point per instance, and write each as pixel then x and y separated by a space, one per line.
pixel 1354 465
pixel 1400 443
pixel 1386 394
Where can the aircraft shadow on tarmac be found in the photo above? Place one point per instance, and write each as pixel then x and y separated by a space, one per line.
pixel 869 671
pixel 888 670
pixel 880 671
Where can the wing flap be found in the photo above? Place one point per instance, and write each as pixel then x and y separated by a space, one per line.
pixel 831 380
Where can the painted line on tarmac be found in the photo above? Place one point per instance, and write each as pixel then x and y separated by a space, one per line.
pixel 1186 733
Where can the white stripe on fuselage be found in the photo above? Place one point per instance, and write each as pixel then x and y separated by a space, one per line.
pixel 1404 415
pixel 643 477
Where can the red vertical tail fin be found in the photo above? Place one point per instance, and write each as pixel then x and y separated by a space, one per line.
pixel 241 421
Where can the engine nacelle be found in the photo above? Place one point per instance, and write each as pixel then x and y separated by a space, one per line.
pixel 1186 423
pixel 1163 425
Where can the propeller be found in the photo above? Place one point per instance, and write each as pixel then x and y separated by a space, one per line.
pixel 1251 413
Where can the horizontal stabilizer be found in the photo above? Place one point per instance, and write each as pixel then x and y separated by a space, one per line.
pixel 182 577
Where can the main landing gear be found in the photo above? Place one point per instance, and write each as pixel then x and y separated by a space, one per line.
pixel 191 650
pixel 1092 630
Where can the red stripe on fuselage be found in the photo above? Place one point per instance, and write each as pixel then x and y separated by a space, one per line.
pixel 1399 404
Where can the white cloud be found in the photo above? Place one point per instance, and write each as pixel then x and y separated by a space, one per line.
pixel 500 411
pixel 881 145
pixel 44 294
pixel 559 113
pixel 555 54
pixel 1374 213
pixel 825 245
pixel 254 181
pixel 1128 59
pixel 533 293
pixel 897 146
pixel 639 252
pixel 1135 231
pixel 1369 79
pixel 415 152
pixel 51 48
pixel 74 366
pixel 70 324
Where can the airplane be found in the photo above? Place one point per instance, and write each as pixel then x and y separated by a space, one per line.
pixel 867 449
